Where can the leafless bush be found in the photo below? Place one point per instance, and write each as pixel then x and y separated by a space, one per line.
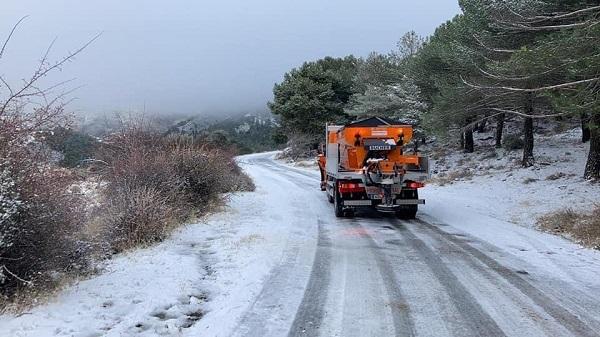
pixel 39 233
pixel 206 171
pixel 155 182
pixel 137 215
pixel 580 226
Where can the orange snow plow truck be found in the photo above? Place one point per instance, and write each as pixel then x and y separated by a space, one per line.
pixel 364 166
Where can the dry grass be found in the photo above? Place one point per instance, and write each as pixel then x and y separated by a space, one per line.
pixel 556 176
pixel 443 179
pixel 584 228
pixel 530 180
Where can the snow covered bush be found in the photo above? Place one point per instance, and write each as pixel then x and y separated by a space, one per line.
pixel 40 227
pixel 40 219
pixel 10 205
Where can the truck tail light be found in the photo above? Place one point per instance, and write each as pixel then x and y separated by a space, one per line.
pixel 351 188
pixel 415 185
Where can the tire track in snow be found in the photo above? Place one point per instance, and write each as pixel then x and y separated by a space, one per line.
pixel 403 323
pixel 272 310
pixel 312 308
pixel 479 322
pixel 563 316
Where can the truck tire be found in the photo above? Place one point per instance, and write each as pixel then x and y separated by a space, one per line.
pixel 329 198
pixel 337 204
pixel 409 212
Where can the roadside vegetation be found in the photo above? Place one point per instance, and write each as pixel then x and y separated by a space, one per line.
pixel 69 200
pixel 153 183
pixel 584 228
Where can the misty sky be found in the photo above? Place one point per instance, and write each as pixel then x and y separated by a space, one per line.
pixel 200 57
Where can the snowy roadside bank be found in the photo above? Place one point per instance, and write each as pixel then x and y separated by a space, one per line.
pixel 493 183
pixel 205 270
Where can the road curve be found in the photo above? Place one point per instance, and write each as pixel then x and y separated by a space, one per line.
pixel 374 275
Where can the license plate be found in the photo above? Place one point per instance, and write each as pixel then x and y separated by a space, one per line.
pixel 374 190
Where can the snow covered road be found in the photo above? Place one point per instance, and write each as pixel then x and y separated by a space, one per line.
pixel 380 276
pixel 279 263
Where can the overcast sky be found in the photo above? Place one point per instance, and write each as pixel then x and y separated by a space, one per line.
pixel 201 57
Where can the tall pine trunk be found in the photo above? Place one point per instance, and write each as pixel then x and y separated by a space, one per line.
pixel 499 130
pixel 481 126
pixel 469 142
pixel 585 128
pixel 462 141
pixel 592 168
pixel 528 159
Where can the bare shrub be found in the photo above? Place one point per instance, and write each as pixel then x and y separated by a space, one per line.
pixel 155 182
pixel 42 231
pixel 580 226
pixel 141 194
pixel 40 216
pixel 141 215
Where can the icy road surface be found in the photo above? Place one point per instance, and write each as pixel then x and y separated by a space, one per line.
pixel 278 263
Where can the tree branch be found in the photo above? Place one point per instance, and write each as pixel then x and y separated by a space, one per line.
pixel 546 88
pixel 12 32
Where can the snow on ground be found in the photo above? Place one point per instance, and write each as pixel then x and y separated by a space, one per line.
pixel 149 289
pixel 496 185
pixel 499 201
pixel 304 164
pixel 209 270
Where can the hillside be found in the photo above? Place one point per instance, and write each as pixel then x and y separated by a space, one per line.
pixel 249 133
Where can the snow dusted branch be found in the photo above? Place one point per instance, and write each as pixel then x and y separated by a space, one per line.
pixel 560 16
pixel 510 112
pixel 532 90
pixel 496 50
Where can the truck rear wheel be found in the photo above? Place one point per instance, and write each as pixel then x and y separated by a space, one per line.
pixel 409 211
pixel 338 204
pixel 329 198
